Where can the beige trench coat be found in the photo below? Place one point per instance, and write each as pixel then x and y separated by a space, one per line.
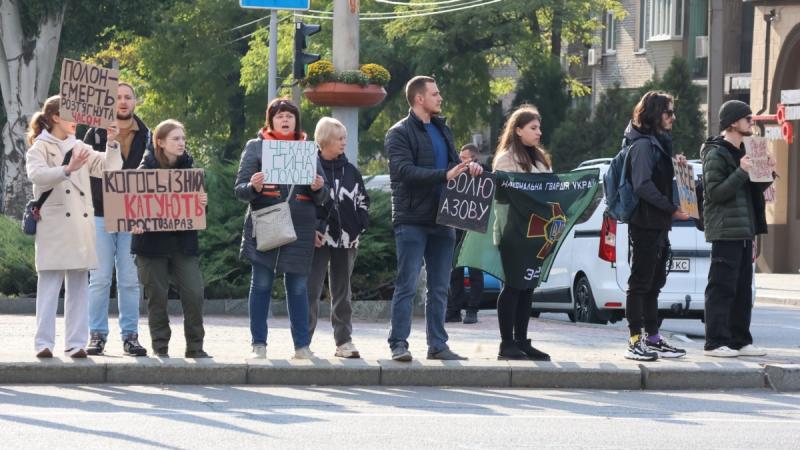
pixel 65 235
pixel 506 162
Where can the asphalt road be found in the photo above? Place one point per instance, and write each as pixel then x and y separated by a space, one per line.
pixel 171 417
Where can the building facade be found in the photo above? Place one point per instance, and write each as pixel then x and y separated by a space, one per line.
pixel 776 69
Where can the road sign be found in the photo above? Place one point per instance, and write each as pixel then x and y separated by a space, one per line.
pixel 792 113
pixel 276 4
pixel 790 97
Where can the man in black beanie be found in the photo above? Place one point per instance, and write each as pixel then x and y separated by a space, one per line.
pixel 734 213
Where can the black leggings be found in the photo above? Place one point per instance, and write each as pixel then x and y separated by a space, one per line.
pixel 514 313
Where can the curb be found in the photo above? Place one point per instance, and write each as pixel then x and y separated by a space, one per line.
pixel 777 301
pixel 358 372
pixel 784 377
pixel 704 376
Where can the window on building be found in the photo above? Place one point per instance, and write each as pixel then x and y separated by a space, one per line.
pixel 644 23
pixel 611 34
pixel 664 18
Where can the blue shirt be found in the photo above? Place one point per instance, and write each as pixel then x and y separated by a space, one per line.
pixel 439 146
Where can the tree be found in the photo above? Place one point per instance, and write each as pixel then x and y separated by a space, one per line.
pixel 690 125
pixel 29 35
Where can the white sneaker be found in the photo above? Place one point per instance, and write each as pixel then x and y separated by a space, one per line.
pixel 752 350
pixel 303 353
pixel 722 352
pixel 259 352
pixel 347 350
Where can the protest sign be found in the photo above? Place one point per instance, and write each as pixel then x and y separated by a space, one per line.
pixel 289 162
pixel 88 93
pixel 756 147
pixel 466 202
pixel 154 199
pixel 687 193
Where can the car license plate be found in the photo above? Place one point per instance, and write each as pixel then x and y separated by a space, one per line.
pixel 679 265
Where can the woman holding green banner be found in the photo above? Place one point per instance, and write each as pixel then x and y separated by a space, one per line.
pixel 519 150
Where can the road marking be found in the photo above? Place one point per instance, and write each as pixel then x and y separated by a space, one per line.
pixel 682 338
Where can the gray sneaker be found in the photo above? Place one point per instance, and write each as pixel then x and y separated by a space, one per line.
pixel 446 355
pixel 401 353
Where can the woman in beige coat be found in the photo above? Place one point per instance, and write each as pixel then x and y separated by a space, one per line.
pixel 519 151
pixel 65 233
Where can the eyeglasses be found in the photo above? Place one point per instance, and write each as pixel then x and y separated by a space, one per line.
pixel 670 112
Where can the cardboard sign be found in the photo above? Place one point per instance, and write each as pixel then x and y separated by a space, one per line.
pixel 756 147
pixel 687 193
pixel 289 162
pixel 154 199
pixel 467 202
pixel 88 93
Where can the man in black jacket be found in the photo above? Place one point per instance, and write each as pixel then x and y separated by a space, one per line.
pixel 650 175
pixel 114 249
pixel 421 158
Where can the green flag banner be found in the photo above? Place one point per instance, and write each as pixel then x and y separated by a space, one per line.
pixel 531 215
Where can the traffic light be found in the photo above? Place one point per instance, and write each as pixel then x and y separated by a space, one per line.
pixel 301 58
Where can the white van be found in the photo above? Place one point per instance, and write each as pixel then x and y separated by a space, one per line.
pixel 589 276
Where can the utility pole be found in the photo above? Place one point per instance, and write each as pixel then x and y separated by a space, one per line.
pixel 345 57
pixel 272 84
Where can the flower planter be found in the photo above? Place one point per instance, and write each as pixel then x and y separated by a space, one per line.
pixel 343 94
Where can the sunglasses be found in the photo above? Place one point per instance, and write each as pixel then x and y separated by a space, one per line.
pixel 280 104
pixel 670 112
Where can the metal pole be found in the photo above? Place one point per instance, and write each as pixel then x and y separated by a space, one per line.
pixel 272 83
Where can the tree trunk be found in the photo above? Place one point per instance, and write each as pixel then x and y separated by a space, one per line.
pixel 26 69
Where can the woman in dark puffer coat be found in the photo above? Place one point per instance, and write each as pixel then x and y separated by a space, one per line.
pixel 294 259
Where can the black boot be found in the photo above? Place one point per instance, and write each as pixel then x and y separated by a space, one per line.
pixel 509 350
pixel 531 352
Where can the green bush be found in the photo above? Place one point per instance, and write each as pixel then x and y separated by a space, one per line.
pixel 17 269
pixel 374 272
pixel 224 274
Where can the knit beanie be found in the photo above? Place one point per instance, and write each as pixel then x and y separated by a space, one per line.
pixel 731 111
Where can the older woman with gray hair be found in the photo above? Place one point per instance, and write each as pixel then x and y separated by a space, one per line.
pixel 344 218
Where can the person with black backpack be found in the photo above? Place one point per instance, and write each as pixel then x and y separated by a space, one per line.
pixel 650 172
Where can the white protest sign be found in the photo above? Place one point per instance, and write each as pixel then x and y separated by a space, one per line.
pixel 289 162
pixel 756 147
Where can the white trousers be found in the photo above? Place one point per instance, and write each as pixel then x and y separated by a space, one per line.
pixel 76 304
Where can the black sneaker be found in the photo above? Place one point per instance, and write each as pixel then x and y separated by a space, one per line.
pixel 97 344
pixel 471 317
pixel 638 350
pixel 197 354
pixel 533 353
pixel 665 350
pixel 131 346
pixel 446 355
pixel 448 318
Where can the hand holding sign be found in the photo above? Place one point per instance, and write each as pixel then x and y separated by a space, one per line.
pixel 456 170
pixel 112 131
pixel 746 163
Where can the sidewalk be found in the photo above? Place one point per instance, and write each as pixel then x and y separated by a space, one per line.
pixel 584 357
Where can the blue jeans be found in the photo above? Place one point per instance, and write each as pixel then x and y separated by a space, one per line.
pixel 296 299
pixel 434 245
pixel 113 249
